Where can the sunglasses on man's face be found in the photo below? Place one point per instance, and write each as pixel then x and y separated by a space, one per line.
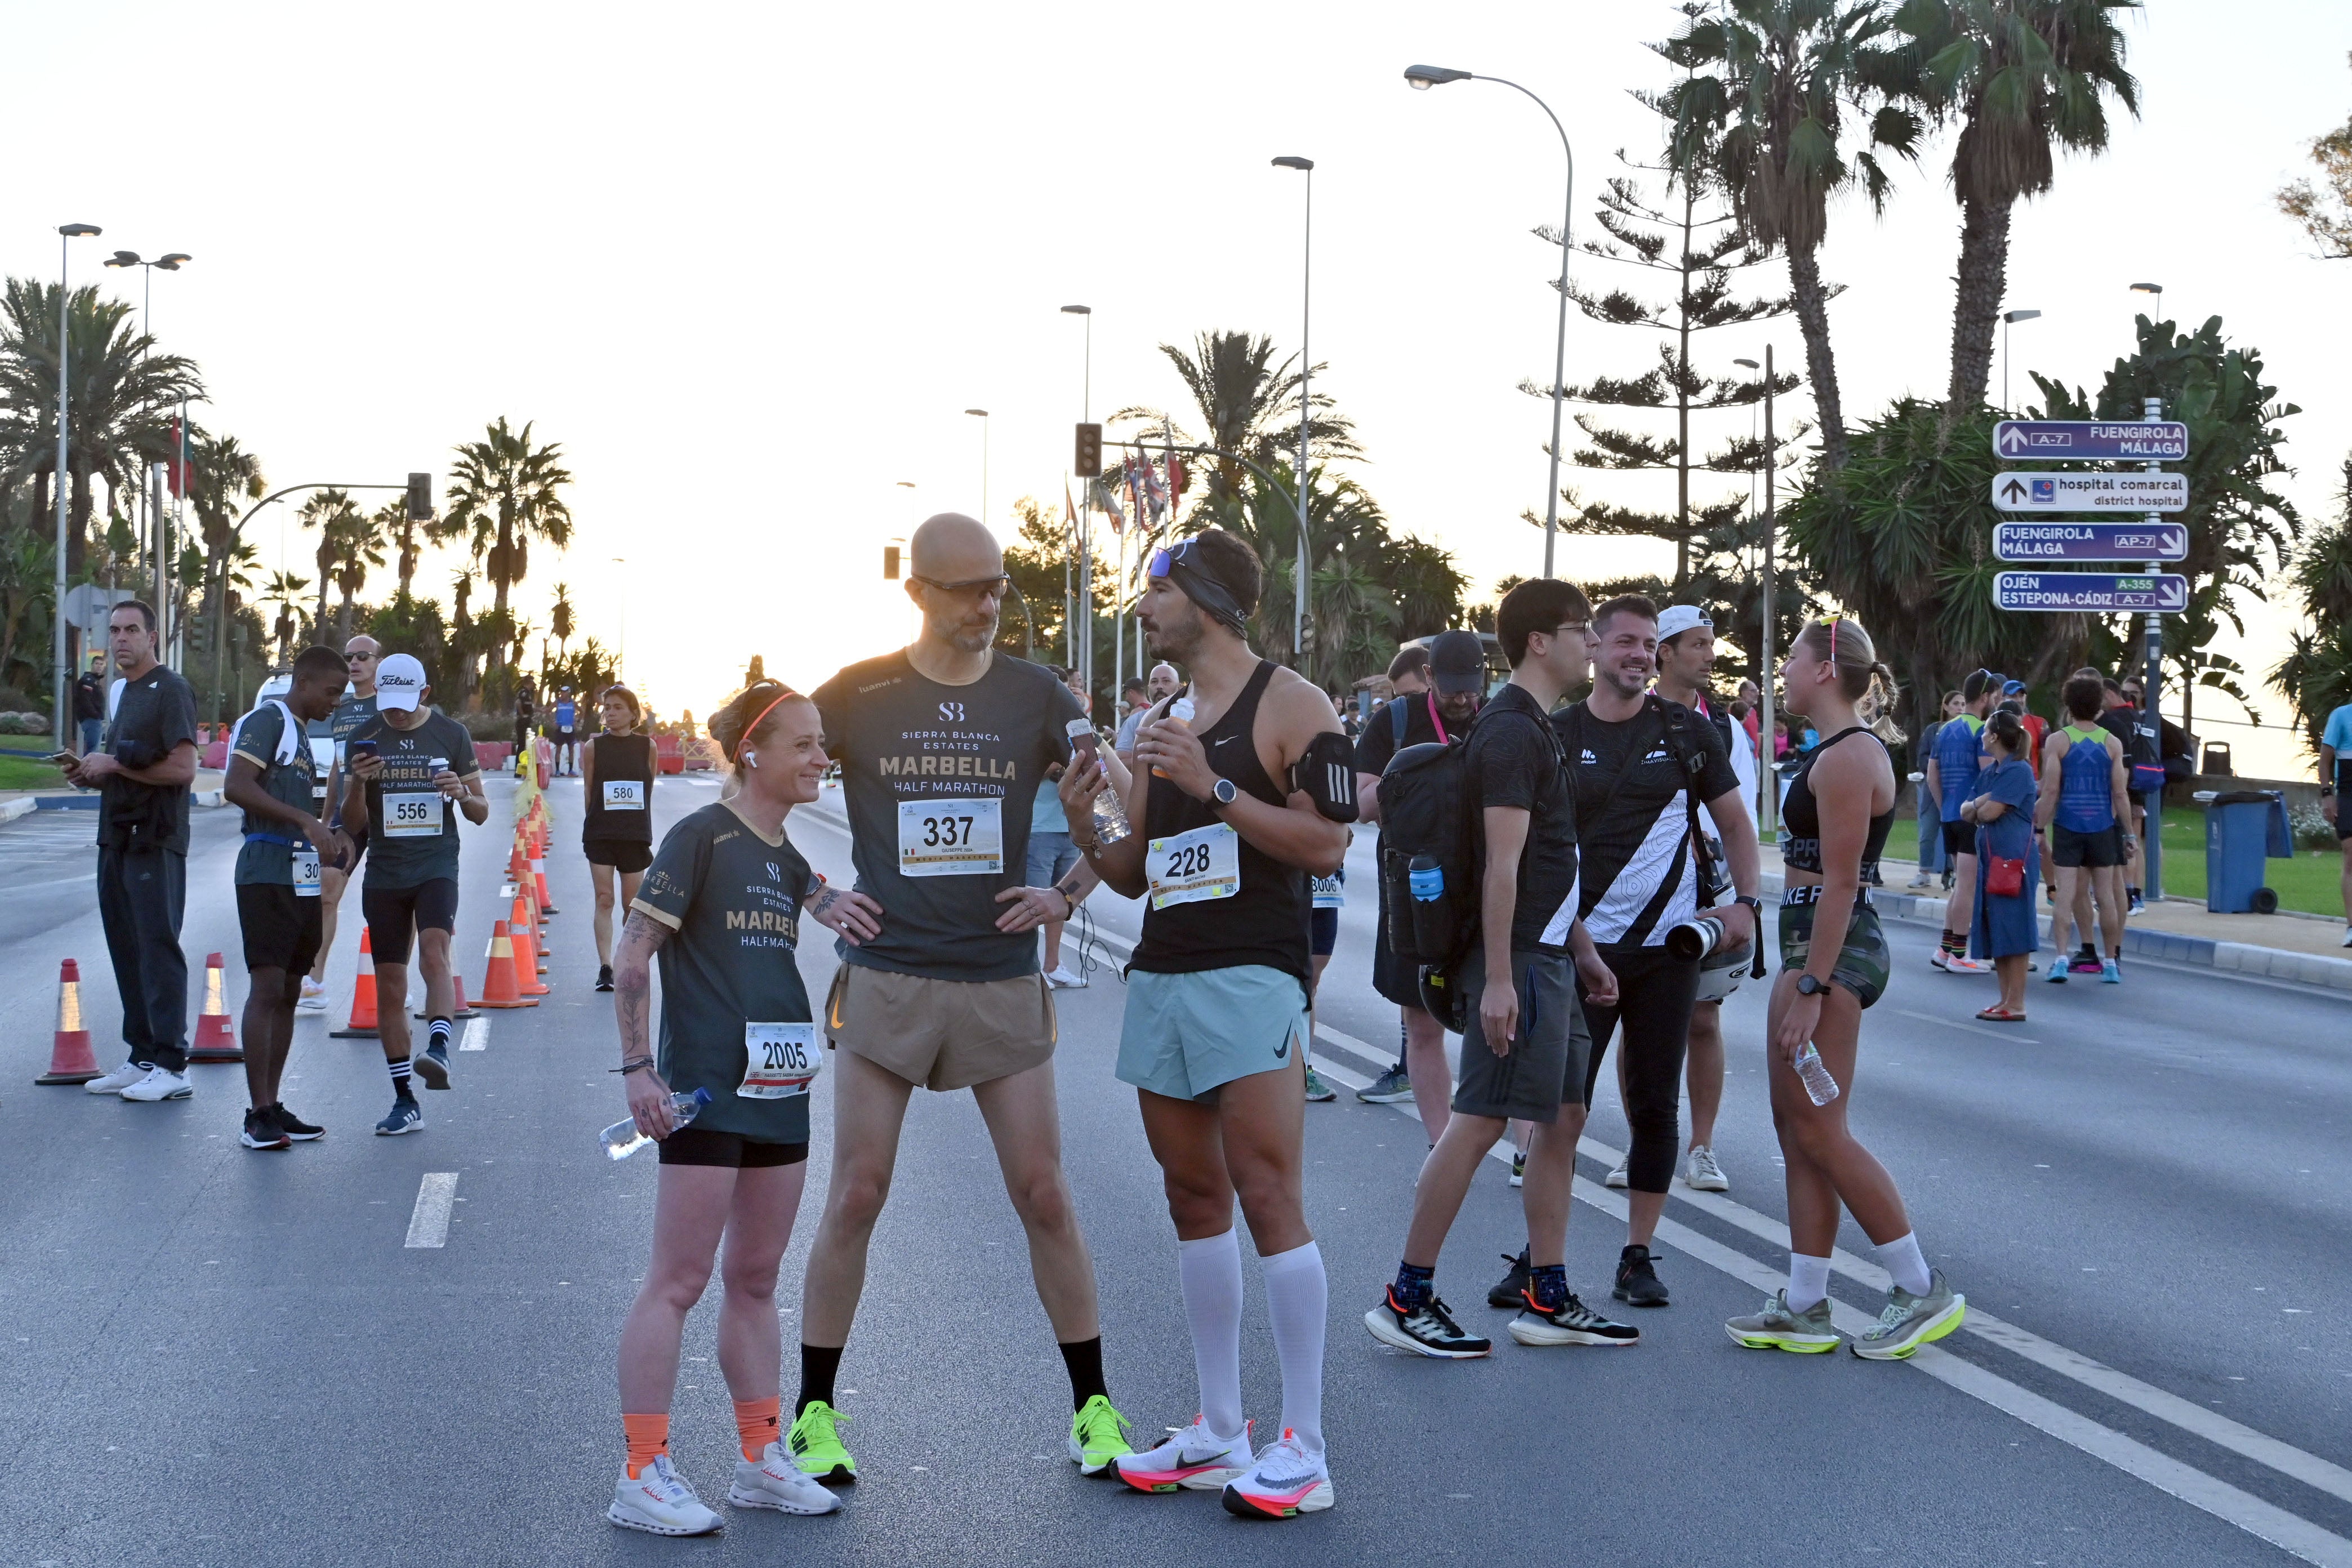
pixel 998 586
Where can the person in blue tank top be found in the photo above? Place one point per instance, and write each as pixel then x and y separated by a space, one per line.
pixel 2336 794
pixel 1951 779
pixel 2004 931
pixel 2084 803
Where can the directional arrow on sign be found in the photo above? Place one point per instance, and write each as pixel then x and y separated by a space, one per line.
pixel 2110 492
pixel 2083 440
pixel 2013 491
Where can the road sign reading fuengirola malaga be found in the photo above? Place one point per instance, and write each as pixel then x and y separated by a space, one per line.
pixel 2093 593
pixel 2056 492
pixel 2030 542
pixel 2088 440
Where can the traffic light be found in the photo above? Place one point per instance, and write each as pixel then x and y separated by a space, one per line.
pixel 420 497
pixel 891 564
pixel 1088 462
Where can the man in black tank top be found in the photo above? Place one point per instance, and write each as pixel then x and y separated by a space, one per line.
pixel 1234 807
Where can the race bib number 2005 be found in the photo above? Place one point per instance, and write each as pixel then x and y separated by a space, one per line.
pixel 1205 863
pixel 951 838
pixel 779 1060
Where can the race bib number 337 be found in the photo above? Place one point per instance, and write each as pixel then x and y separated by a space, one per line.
pixel 1188 867
pixel 951 838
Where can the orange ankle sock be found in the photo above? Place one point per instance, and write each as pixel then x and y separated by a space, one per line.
pixel 758 1423
pixel 648 1438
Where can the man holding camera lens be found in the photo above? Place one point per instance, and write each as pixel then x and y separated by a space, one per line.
pixel 1642 767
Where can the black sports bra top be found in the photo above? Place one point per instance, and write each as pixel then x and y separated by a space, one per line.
pixel 1801 816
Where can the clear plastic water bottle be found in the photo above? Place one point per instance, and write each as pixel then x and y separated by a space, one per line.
pixel 1110 812
pixel 622 1139
pixel 1180 711
pixel 1819 1084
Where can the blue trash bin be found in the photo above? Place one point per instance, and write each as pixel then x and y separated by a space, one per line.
pixel 2243 828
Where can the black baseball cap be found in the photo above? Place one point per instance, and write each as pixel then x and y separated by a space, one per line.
pixel 1457 663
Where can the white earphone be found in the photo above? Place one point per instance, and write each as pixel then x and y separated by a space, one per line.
pixel 750 759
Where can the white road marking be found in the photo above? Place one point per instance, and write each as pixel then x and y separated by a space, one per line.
pixel 478 1035
pixel 429 1225
pixel 1968 1028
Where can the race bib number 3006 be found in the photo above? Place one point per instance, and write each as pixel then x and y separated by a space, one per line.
pixel 1205 863
pixel 951 838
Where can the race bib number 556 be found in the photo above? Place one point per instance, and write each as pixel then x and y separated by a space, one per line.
pixel 951 838
pixel 1205 863
pixel 412 816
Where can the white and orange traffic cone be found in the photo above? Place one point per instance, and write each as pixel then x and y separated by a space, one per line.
pixel 215 1037
pixel 462 1012
pixel 70 1060
pixel 499 983
pixel 363 1019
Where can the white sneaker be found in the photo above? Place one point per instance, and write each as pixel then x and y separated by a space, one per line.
pixel 2347 936
pixel 1702 1175
pixel 1062 979
pixel 658 1503
pixel 313 998
pixel 159 1083
pixel 1961 966
pixel 1616 1178
pixel 1286 1481
pixel 1195 1458
pixel 776 1482
pixel 118 1080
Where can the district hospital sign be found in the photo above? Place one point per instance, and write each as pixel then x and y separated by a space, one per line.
pixel 2091 492
pixel 2090 592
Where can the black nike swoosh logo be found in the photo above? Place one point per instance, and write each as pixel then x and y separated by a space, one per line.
pixel 1282 1051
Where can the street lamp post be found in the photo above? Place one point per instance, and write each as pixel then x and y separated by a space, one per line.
pixel 621 652
pixel 1305 373
pixel 1082 649
pixel 2152 719
pixel 61 482
pixel 1423 79
pixel 159 541
pixel 2008 320
pixel 1768 802
pixel 981 415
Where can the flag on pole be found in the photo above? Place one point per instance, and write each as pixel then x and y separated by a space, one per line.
pixel 1155 492
pixel 1102 499
pixel 1177 478
pixel 1135 491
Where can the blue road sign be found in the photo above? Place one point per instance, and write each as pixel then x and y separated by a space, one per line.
pixel 2032 542
pixel 2092 593
pixel 2088 440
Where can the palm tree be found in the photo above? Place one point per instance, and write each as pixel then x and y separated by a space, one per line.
pixel 123 395
pixel 359 545
pixel 223 476
pixel 2023 78
pixel 27 566
pixel 284 590
pixel 405 535
pixel 331 512
pixel 1762 113
pixel 1248 405
pixel 503 492
pixel 463 634
pixel 560 622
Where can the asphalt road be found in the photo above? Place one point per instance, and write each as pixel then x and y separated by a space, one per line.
pixel 209 1356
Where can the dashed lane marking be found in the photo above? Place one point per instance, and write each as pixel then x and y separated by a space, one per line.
pixel 428 1225
pixel 478 1035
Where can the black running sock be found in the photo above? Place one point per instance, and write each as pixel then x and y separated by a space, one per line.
pixel 1084 1358
pixel 439 1030
pixel 819 1363
pixel 399 1071
pixel 1413 1282
pixel 1547 1282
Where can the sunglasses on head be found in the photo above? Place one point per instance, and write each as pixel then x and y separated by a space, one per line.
pixel 1184 552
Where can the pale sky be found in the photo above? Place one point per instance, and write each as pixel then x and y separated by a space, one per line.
pixel 749 264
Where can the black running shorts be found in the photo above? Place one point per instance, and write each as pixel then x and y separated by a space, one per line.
pixel 2069 847
pixel 1959 838
pixel 1323 932
pixel 623 854
pixel 395 915
pixel 280 927
pixel 692 1145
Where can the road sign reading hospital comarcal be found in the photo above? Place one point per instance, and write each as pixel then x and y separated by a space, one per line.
pixel 2107 492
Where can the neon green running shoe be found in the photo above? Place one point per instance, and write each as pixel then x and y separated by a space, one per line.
pixel 1099 1434
pixel 815 1446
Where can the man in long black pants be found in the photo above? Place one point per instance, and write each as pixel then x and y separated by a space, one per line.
pixel 148 763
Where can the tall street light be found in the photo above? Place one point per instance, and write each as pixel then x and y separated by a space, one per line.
pixel 1305 373
pixel 2008 320
pixel 158 539
pixel 981 415
pixel 1423 79
pixel 2155 289
pixel 620 654
pixel 62 481
pixel 1768 802
pixel 1081 653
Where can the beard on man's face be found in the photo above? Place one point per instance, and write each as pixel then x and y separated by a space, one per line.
pixel 965 630
pixel 1173 633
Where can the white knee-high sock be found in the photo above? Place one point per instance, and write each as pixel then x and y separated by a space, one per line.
pixel 1298 1300
pixel 1211 1272
pixel 1901 1258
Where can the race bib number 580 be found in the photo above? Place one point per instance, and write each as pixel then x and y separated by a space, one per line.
pixel 951 838
pixel 1205 863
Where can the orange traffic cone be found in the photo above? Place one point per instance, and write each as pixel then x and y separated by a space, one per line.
pixel 70 1060
pixel 538 886
pixel 216 1037
pixel 523 922
pixel 518 863
pixel 461 1013
pixel 498 984
pixel 363 1025
pixel 526 957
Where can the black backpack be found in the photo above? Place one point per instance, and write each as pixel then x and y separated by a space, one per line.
pixel 1432 848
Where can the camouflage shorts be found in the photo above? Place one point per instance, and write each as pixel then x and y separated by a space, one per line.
pixel 1863 962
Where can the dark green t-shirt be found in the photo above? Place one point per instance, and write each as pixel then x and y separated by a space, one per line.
pixel 411 827
pixel 337 727
pixel 261 738
pixel 732 900
pixel 939 780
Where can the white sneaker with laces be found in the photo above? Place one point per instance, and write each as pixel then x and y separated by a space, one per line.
pixel 159 1083
pixel 1617 1178
pixel 1286 1481
pixel 313 998
pixel 1196 1460
pixel 118 1080
pixel 1062 979
pixel 1701 1173
pixel 1960 965
pixel 2347 936
pixel 658 1503
pixel 776 1482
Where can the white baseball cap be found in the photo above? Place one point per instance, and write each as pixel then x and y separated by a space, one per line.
pixel 399 683
pixel 1677 619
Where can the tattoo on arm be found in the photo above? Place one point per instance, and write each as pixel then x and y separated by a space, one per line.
pixel 824 901
pixel 641 937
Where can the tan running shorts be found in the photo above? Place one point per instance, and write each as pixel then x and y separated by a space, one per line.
pixel 941 1034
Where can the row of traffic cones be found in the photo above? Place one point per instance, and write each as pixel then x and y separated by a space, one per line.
pixel 71 1058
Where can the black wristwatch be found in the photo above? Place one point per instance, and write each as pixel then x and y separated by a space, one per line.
pixel 1808 986
pixel 1222 794
pixel 1752 900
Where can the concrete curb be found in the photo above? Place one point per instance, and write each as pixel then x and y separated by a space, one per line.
pixel 2170 947
pixel 16 808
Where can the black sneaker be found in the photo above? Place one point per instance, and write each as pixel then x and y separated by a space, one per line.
pixel 1513 1286
pixel 431 1065
pixel 1426 1329
pixel 1638 1284
pixel 262 1131
pixel 1569 1324
pixel 293 1126
pixel 603 977
pixel 405 1117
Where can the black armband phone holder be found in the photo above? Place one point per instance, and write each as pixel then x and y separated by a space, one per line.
pixel 1326 774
